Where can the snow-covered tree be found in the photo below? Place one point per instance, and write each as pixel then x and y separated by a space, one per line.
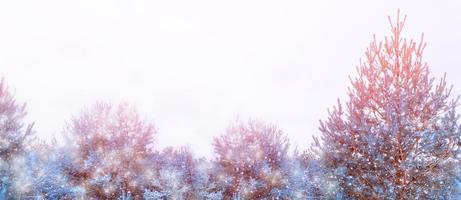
pixel 172 175
pixel 40 174
pixel 206 182
pixel 176 174
pixel 308 178
pixel 14 133
pixel 111 146
pixel 249 161
pixel 398 136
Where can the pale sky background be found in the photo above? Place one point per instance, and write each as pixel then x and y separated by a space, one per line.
pixel 194 66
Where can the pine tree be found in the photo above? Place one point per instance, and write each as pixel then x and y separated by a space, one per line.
pixel 250 157
pixel 111 147
pixel 13 137
pixel 398 137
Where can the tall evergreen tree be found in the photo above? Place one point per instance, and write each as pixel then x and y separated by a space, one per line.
pixel 398 137
pixel 14 133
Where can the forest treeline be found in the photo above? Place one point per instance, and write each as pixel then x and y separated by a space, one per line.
pixel 397 136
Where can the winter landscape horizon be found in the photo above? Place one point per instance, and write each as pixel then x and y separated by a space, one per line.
pixel 229 100
pixel 192 67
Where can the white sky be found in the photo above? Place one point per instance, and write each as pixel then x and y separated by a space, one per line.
pixel 194 66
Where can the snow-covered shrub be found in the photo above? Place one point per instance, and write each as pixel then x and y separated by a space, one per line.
pixel 249 160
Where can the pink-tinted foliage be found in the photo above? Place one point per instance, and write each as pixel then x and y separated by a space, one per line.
pixel 250 158
pixel 111 148
pixel 13 140
pixel 13 130
pixel 398 135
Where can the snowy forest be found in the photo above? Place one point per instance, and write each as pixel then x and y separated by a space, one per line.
pixel 397 136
